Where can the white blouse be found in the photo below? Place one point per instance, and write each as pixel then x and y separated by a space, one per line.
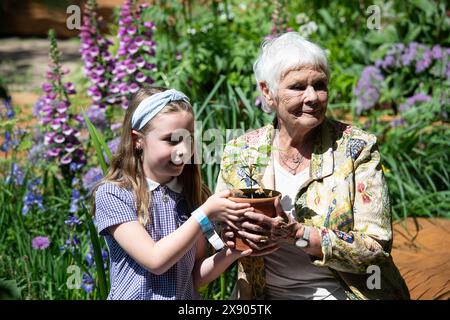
pixel 289 271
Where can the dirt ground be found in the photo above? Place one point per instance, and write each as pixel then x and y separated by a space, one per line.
pixel 421 251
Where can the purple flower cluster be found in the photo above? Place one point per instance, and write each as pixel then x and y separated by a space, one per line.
pixel 368 88
pixel 33 196
pixel 414 59
pixel 136 48
pixel 98 64
pixel 91 177
pixel 61 127
pixel 40 243
pixel 420 97
pixel 419 56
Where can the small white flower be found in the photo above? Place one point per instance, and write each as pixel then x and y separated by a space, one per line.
pixel 301 18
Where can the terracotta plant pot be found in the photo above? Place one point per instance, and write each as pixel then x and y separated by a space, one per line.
pixel 262 205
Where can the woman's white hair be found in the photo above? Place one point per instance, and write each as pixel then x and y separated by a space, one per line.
pixel 284 53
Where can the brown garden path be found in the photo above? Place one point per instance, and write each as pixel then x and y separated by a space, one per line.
pixel 421 251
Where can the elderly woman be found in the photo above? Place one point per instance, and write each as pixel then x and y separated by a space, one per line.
pixel 333 234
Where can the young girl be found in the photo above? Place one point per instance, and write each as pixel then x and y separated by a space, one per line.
pixel 142 207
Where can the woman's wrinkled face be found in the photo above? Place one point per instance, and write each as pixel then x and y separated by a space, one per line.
pixel 302 97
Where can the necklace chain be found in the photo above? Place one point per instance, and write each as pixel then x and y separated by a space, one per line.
pixel 297 159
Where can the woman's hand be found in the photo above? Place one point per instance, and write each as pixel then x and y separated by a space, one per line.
pixel 219 208
pixel 229 238
pixel 260 230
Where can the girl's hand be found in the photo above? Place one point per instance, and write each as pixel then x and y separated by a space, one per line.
pixel 237 254
pixel 219 208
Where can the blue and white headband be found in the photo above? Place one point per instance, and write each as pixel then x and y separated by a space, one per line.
pixel 149 107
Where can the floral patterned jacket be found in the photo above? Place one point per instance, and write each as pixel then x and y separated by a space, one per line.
pixel 345 197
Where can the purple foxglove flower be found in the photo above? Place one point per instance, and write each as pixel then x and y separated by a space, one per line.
pixel 67 131
pixel 131 30
pixel 97 96
pixel 55 125
pixel 111 99
pixel 53 152
pixel 47 87
pixel 149 24
pixel 132 49
pixel 40 243
pixel 140 62
pixel 131 68
pixel 69 148
pixel 99 70
pixel 140 77
pixel 134 87
pixel 139 41
pixel 59 139
pixel 103 83
pixel 70 87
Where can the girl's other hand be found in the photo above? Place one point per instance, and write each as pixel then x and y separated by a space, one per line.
pixel 219 208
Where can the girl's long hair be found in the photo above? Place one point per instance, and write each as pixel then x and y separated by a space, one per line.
pixel 126 170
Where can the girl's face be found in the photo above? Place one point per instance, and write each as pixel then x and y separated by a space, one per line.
pixel 168 146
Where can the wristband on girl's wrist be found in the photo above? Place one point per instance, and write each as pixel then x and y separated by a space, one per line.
pixel 202 219
pixel 208 229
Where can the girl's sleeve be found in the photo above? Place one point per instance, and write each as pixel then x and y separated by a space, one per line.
pixel 369 242
pixel 113 206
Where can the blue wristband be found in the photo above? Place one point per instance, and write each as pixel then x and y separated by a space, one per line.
pixel 202 220
pixel 208 229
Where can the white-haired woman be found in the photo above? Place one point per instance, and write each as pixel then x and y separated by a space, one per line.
pixel 334 229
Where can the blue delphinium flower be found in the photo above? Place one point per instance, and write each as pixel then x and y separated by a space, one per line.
pixel 33 196
pixel 88 283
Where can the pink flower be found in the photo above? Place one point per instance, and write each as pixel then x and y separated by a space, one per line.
pixel 40 243
pixel 361 187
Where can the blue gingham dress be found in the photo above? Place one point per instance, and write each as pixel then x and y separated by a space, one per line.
pixel 129 280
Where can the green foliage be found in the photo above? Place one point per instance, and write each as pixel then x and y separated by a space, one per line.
pixel 207 50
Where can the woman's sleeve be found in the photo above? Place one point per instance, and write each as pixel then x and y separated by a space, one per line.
pixel 221 185
pixel 113 206
pixel 369 242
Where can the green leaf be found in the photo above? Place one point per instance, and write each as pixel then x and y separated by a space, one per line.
pixel 102 282
pixel 425 5
pixel 327 18
pixel 98 142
